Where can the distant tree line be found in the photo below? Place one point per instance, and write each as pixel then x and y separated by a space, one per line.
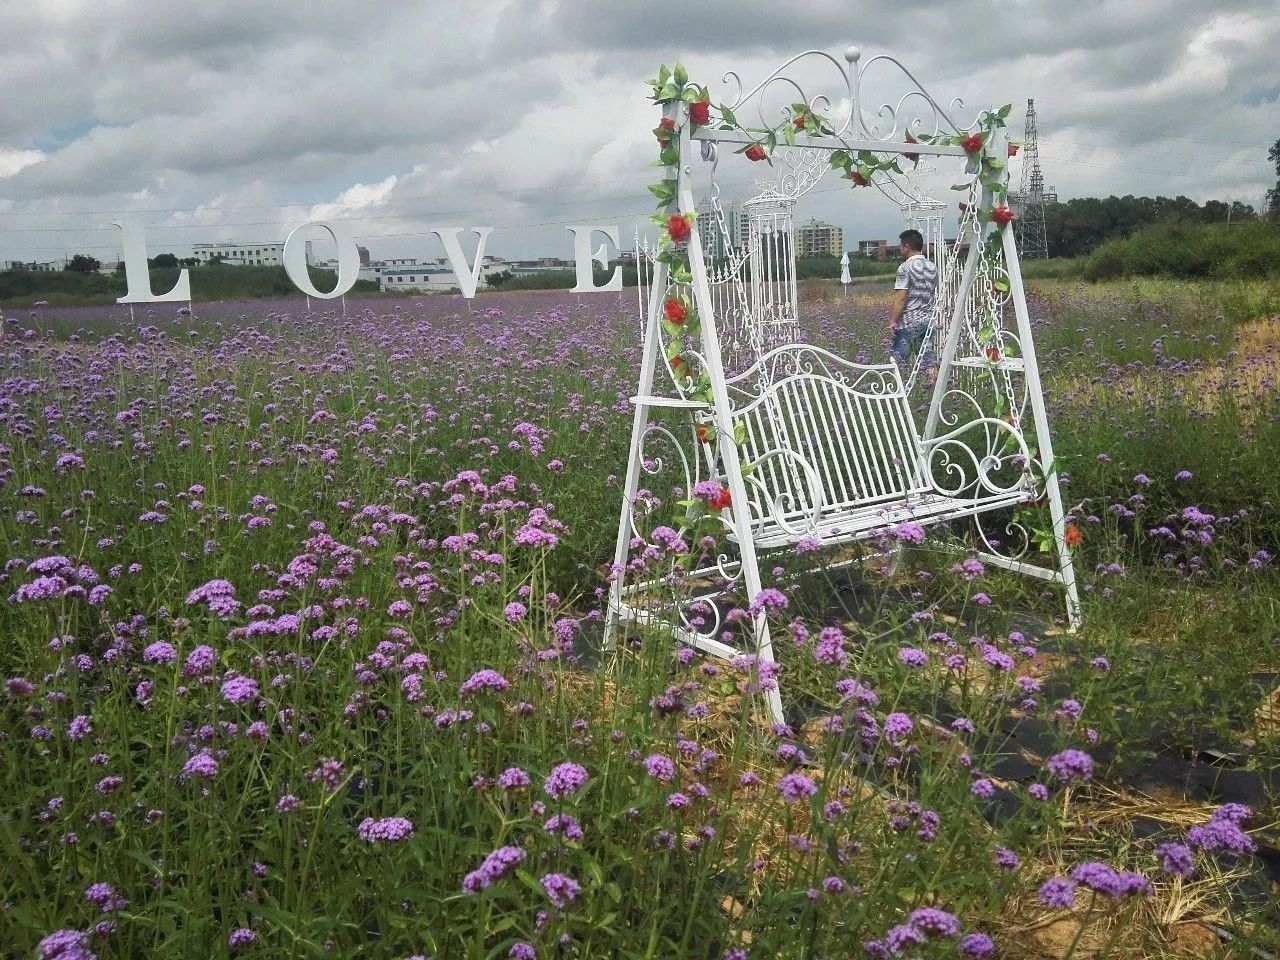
pixel 83 287
pixel 1076 227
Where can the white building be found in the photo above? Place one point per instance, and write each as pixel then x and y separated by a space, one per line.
pixel 530 268
pixel 410 275
pixel 51 266
pixel 243 254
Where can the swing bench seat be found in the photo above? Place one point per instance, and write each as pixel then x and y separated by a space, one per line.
pixel 851 524
pixel 831 453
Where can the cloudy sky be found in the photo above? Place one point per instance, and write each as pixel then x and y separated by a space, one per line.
pixel 238 119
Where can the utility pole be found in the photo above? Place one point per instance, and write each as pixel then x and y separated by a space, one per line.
pixel 1030 199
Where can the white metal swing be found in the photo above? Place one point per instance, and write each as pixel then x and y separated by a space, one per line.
pixel 814 448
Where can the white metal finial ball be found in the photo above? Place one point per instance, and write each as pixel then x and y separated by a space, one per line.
pixel 852 53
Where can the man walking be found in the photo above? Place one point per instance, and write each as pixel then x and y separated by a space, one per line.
pixel 912 297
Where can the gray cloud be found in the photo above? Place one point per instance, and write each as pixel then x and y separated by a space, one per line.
pixel 237 118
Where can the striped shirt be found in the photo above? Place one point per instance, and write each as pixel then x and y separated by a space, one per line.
pixel 917 275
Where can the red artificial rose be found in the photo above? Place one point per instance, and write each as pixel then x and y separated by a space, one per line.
pixel 798 121
pixel 858 179
pixel 1013 149
pixel 755 152
pixel 1073 537
pixel 678 228
pixel 963 206
pixel 1002 214
pixel 721 501
pixel 676 363
pixel 674 310
pixel 704 435
pixel 972 144
pixel 667 125
pixel 700 113
pixel 993 353
pixel 913 157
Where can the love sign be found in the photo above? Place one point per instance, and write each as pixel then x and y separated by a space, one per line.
pixel 138 277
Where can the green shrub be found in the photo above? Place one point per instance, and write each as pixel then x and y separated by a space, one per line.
pixel 1216 251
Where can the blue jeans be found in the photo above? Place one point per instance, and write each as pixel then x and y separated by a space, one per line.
pixel 907 340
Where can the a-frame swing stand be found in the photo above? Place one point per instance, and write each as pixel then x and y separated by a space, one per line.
pixel 813 449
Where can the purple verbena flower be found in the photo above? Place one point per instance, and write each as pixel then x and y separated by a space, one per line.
pixel 796 786
pixel 1071 765
pixel 976 945
pixel 484 680
pixel 565 779
pixel 66 945
pixel 242 937
pixel 203 764
pixel 495 865
pixel 1059 892
pixel 387 830
pixel 560 889
pixel 159 652
pixel 660 767
pixel 1176 859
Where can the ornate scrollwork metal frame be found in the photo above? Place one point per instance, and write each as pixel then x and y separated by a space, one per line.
pixel 893 119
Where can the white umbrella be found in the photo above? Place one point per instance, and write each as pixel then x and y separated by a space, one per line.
pixel 844 268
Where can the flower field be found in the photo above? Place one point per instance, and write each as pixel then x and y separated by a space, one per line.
pixel 301 656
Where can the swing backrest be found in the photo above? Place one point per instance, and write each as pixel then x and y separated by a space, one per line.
pixel 821 436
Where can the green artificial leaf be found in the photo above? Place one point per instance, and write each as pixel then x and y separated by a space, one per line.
pixel 839 158
pixel 669 91
pixel 996 163
pixel 663 74
pixel 739 432
pixel 681 74
pixel 789 134
pixel 664 189
pixel 1001 284
pixel 961 186
pixel 691 94
pixel 727 115
pixel 1003 112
